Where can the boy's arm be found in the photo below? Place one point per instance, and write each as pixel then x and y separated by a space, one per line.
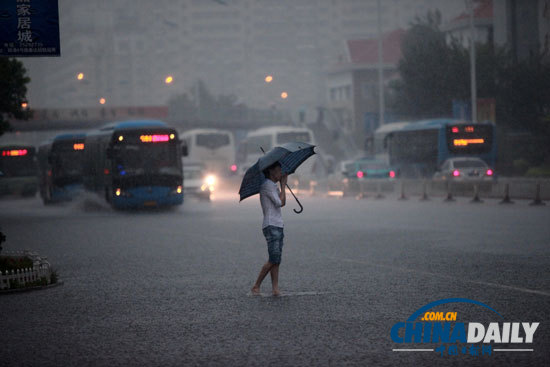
pixel 282 195
pixel 272 195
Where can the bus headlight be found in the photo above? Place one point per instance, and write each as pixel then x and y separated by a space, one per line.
pixel 122 193
pixel 178 190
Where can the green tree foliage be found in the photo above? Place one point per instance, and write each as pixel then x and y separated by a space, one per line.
pixel 430 71
pixel 13 91
pixel 523 104
pixel 435 71
pixel 523 94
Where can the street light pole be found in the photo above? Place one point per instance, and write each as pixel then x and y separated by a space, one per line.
pixel 473 91
pixel 380 69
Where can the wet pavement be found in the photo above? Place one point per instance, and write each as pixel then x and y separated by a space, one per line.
pixel 171 287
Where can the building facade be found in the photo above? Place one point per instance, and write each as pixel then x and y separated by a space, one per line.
pixel 126 49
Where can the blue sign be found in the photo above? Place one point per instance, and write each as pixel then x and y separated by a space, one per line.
pixel 29 28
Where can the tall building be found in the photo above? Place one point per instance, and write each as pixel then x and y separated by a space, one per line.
pixel 524 26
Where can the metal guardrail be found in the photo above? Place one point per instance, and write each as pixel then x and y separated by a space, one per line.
pixel 506 189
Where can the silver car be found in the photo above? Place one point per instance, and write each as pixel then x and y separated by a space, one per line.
pixel 464 168
pixel 197 182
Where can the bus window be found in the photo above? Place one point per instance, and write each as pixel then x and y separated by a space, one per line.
pixel 212 140
pixel 293 136
pixel 414 147
pixel 255 142
pixel 134 158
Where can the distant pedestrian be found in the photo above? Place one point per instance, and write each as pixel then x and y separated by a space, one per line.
pixel 272 200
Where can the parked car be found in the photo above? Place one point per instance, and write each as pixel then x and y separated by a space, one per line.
pixel 198 182
pixel 464 168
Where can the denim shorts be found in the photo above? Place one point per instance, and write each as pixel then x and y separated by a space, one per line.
pixel 274 237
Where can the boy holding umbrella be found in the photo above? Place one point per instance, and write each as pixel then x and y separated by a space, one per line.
pixel 272 200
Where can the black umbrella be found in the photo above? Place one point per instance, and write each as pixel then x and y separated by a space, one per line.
pixel 289 155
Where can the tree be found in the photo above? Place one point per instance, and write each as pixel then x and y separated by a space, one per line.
pixel 434 72
pixel 523 94
pixel 523 104
pixel 430 71
pixel 13 91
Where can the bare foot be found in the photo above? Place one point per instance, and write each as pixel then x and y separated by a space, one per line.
pixel 276 292
pixel 255 291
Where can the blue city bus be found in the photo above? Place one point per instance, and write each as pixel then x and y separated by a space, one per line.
pixel 135 164
pixel 18 170
pixel 419 148
pixel 60 163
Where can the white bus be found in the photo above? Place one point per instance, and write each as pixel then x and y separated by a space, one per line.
pixel 269 137
pixel 381 143
pixel 213 148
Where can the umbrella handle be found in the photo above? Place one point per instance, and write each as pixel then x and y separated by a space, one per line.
pixel 298 201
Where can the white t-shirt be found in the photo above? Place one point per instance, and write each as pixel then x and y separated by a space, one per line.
pixel 271 204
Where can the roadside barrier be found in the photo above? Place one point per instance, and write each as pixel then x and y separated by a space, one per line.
pixel 503 190
pixel 506 199
pixel 449 197
pixel 424 196
pixel 402 196
pixel 476 198
pixel 379 191
pixel 312 186
pixel 537 200
pixel 361 194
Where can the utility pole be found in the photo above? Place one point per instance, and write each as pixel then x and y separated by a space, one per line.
pixel 473 91
pixel 380 68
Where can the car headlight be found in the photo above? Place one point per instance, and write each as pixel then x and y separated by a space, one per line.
pixel 209 183
pixel 210 180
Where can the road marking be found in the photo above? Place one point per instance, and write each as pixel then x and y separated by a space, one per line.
pixel 413 350
pixel 288 294
pixel 214 238
pixel 513 350
pixel 495 285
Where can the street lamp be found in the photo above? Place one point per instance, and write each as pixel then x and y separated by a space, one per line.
pixel 102 100
pixel 169 79
pixel 473 88
pixel 268 78
pixel 284 95
pixel 80 76
pixel 381 101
